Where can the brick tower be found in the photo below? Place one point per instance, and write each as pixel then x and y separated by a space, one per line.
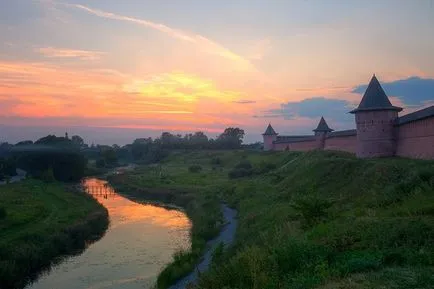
pixel 269 137
pixel 321 132
pixel 375 119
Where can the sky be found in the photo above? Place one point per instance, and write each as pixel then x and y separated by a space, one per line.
pixel 114 70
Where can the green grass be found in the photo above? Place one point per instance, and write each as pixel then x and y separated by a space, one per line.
pixel 43 221
pixel 306 220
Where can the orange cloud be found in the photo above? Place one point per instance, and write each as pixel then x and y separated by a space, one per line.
pixel 70 53
pixel 109 98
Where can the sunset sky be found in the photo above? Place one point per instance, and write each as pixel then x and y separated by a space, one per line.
pixel 114 70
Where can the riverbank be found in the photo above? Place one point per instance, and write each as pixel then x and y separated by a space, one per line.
pixel 41 222
pixel 305 220
pixel 201 205
pixel 224 239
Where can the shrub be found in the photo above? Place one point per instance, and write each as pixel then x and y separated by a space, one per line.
pixel 265 167
pixel 194 168
pixel 216 161
pixel 240 173
pixel 358 261
pixel 2 213
pixel 313 210
pixel 244 164
pixel 100 163
pixel 47 175
pixel 217 254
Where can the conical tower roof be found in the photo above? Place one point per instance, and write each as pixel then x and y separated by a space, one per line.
pixel 269 130
pixel 375 98
pixel 323 126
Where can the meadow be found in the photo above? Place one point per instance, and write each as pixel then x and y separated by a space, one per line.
pixel 40 223
pixel 306 220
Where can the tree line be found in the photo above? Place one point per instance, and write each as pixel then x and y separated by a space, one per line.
pixel 65 159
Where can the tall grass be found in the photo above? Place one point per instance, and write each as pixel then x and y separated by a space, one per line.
pixel 308 220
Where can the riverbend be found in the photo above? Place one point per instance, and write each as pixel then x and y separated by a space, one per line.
pixel 140 241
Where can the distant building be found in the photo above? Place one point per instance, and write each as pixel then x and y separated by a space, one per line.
pixel 379 132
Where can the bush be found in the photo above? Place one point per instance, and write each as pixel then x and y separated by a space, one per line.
pixel 240 173
pixel 194 168
pixel 244 164
pixel 216 161
pixel 47 175
pixel 265 167
pixel 100 163
pixel 217 254
pixel 2 213
pixel 313 210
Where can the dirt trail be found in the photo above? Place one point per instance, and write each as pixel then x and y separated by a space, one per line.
pixel 226 236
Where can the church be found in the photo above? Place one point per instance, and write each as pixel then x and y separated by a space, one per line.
pixel 379 132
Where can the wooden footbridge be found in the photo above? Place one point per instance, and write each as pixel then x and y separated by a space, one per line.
pixel 99 190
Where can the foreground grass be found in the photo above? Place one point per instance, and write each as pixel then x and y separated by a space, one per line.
pixel 42 222
pixel 306 220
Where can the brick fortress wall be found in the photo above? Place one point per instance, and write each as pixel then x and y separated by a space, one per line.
pixel 416 139
pixel 343 143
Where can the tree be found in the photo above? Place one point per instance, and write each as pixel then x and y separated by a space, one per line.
pixel 109 156
pixel 53 140
pixel 232 137
pixel 77 141
pixel 140 147
pixel 24 142
pixel 199 139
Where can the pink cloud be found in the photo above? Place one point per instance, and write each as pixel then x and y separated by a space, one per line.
pixel 52 52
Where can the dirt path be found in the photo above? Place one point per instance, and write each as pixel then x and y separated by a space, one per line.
pixel 226 236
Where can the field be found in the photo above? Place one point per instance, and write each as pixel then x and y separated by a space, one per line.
pixel 306 220
pixel 40 222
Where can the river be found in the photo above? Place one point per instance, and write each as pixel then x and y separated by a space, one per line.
pixel 139 242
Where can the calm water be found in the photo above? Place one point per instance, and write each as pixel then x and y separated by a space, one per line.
pixel 139 242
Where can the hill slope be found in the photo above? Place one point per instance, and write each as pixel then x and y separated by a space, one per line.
pixel 311 220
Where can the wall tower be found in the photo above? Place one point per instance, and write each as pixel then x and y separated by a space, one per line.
pixel 269 137
pixel 321 132
pixel 375 120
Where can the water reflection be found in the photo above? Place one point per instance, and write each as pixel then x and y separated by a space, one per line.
pixel 139 242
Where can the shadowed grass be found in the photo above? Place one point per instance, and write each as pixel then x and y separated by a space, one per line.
pixel 43 222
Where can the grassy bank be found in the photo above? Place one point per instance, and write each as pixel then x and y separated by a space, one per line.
pixel 40 223
pixel 200 202
pixel 308 220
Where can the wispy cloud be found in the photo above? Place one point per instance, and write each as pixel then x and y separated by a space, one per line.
pixel 244 101
pixel 200 41
pixel 53 52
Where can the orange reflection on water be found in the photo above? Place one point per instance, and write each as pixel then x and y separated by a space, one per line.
pixel 122 210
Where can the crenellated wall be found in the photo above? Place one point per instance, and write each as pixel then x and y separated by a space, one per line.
pixel 342 143
pixel 377 135
pixel 416 139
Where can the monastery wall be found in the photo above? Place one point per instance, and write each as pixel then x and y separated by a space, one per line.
pixel 342 143
pixel 416 139
pixel 297 146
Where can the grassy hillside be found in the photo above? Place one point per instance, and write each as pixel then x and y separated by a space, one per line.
pixel 40 222
pixel 306 220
